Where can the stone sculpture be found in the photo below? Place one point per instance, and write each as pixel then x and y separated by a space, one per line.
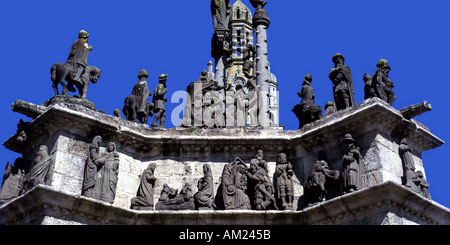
pixel 285 186
pixel 39 169
pixel 220 13
pixel 159 102
pixel 204 198
pixel 352 163
pixel 329 109
pixel 144 197
pixel 341 76
pixel 234 186
pixel 170 199
pixel 368 90
pixel 101 172
pixel 203 106
pixel 263 198
pixel 381 84
pixel 253 104
pixel 75 71
pixel 307 111
pixel 315 188
pixel 90 169
pixel 136 106
pixel 415 181
pixel 13 181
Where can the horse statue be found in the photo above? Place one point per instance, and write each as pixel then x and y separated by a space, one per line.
pixel 130 110
pixel 61 72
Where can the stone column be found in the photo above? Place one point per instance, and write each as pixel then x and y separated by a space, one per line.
pixel 261 22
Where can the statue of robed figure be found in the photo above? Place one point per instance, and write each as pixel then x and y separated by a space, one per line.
pixel 341 76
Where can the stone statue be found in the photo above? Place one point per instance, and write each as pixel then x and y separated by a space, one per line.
pixel 197 102
pixel 144 197
pixel 75 71
pixel 253 104
pixel 262 187
pixel 315 188
pixel 170 199
pixel 90 169
pixel 285 186
pixel 415 181
pixel 234 186
pixel 159 102
pixel 381 84
pixel 39 169
pixel 248 56
pixel 107 175
pixel 101 172
pixel 341 76
pixel 368 90
pixel 220 10
pixel 329 108
pixel 423 185
pixel 352 166
pixel 136 106
pixel 307 111
pixel 13 181
pixel 204 198
pixel 260 161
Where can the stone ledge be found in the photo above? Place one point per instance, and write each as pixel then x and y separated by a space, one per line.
pixel 76 118
pixel 45 205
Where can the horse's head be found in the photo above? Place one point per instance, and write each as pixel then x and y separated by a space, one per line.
pixel 94 74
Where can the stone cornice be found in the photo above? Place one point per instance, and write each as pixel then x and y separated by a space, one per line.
pixel 384 198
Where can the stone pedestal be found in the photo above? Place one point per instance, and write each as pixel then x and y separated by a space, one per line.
pixel 68 129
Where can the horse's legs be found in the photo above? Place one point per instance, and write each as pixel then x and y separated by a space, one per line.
pixel 63 82
pixel 55 87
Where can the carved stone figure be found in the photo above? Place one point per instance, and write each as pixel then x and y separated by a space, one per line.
pixel 39 169
pixel 307 111
pixel 315 188
pixel 260 161
pixel 144 197
pixel 220 13
pixel 341 76
pixel 285 186
pixel 203 95
pixel 381 84
pixel 107 175
pixel 136 106
pixel 423 185
pixel 90 169
pixel 253 104
pixel 13 180
pixel 170 199
pixel 368 90
pixel 159 102
pixel 61 72
pixel 75 70
pixel 204 198
pixel 234 185
pixel 262 186
pixel 248 56
pixel 415 181
pixel 352 166
pixel 329 109
pixel 101 172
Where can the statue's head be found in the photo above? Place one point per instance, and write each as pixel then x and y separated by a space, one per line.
pixel 111 147
pixel 83 34
pixel 338 59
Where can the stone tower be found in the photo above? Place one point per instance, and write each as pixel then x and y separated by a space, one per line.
pixel 241 36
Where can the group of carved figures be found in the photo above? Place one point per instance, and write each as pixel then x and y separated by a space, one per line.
pixel 77 73
pixel 243 186
pixel 24 175
pixel 136 106
pixel 379 86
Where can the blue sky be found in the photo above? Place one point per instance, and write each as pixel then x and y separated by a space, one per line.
pixel 174 37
